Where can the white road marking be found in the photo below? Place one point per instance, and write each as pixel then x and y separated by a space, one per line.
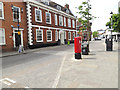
pixel 58 74
pixel 7 81
pixel 10 80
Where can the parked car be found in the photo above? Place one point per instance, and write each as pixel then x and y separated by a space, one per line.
pixel 97 38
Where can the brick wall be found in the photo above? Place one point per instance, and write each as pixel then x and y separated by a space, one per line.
pixel 8 21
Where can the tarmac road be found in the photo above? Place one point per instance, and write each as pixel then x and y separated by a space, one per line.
pixel 55 67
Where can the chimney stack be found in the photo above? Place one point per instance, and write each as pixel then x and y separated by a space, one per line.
pixel 67 6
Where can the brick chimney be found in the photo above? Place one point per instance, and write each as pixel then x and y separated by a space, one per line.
pixel 66 6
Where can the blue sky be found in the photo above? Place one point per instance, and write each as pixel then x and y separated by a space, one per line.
pixel 100 8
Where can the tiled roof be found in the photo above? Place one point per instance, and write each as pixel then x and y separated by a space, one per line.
pixel 54 5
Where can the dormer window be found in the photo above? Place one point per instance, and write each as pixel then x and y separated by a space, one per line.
pixel 67 11
pixel 58 7
pixel 46 2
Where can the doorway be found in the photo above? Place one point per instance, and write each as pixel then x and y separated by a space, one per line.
pixel 61 34
pixel 17 38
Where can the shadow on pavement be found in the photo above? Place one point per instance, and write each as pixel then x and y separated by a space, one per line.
pixel 89 58
pixel 92 54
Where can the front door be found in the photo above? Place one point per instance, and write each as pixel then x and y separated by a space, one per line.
pixel 18 39
pixel 62 37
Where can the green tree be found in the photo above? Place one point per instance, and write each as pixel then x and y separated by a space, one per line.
pixel 115 22
pixel 86 17
pixel 95 34
pixel 84 24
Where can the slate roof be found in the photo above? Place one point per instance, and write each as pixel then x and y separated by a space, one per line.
pixel 54 5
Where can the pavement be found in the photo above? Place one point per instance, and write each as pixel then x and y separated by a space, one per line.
pixel 99 69
pixel 13 53
pixel 57 68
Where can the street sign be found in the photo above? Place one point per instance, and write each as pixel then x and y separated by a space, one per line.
pixel 18 25
pixel 19 33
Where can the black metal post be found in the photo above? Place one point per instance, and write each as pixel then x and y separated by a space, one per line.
pixel 18 28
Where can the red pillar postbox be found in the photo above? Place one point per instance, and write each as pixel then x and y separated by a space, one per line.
pixel 77 47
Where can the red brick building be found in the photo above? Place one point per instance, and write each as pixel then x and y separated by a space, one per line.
pixel 49 23
pixel 41 23
pixel 8 26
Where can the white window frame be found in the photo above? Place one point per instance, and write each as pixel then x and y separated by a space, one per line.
pixel 73 23
pixel 68 36
pixel 37 35
pixel 47 36
pixel 3 35
pixel 73 35
pixel 60 20
pixel 36 15
pixel 64 34
pixel 59 34
pixel 69 22
pixel 2 11
pixel 19 15
pixel 46 18
pixel 56 21
pixel 56 35
pixel 65 21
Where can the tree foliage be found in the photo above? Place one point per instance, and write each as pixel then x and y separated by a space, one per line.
pixel 85 15
pixel 115 22
pixel 95 34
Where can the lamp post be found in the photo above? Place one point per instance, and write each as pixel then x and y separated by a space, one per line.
pixel 19 34
pixel 111 24
pixel 109 42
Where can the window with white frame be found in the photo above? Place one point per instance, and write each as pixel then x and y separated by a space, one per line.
pixel 1 11
pixel 64 34
pixel 2 36
pixel 69 23
pixel 39 35
pixel 16 14
pixel 64 21
pixel 73 35
pixel 69 35
pixel 60 20
pixel 38 15
pixel 48 18
pixel 56 35
pixel 56 19
pixel 49 35
pixel 73 23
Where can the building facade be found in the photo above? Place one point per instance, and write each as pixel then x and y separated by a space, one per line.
pixel 41 23
pixel 9 25
pixel 49 23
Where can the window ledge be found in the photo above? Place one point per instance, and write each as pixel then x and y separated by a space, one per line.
pixel 2 19
pixel 39 41
pixel 49 40
pixel 3 44
pixel 48 23
pixel 38 21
